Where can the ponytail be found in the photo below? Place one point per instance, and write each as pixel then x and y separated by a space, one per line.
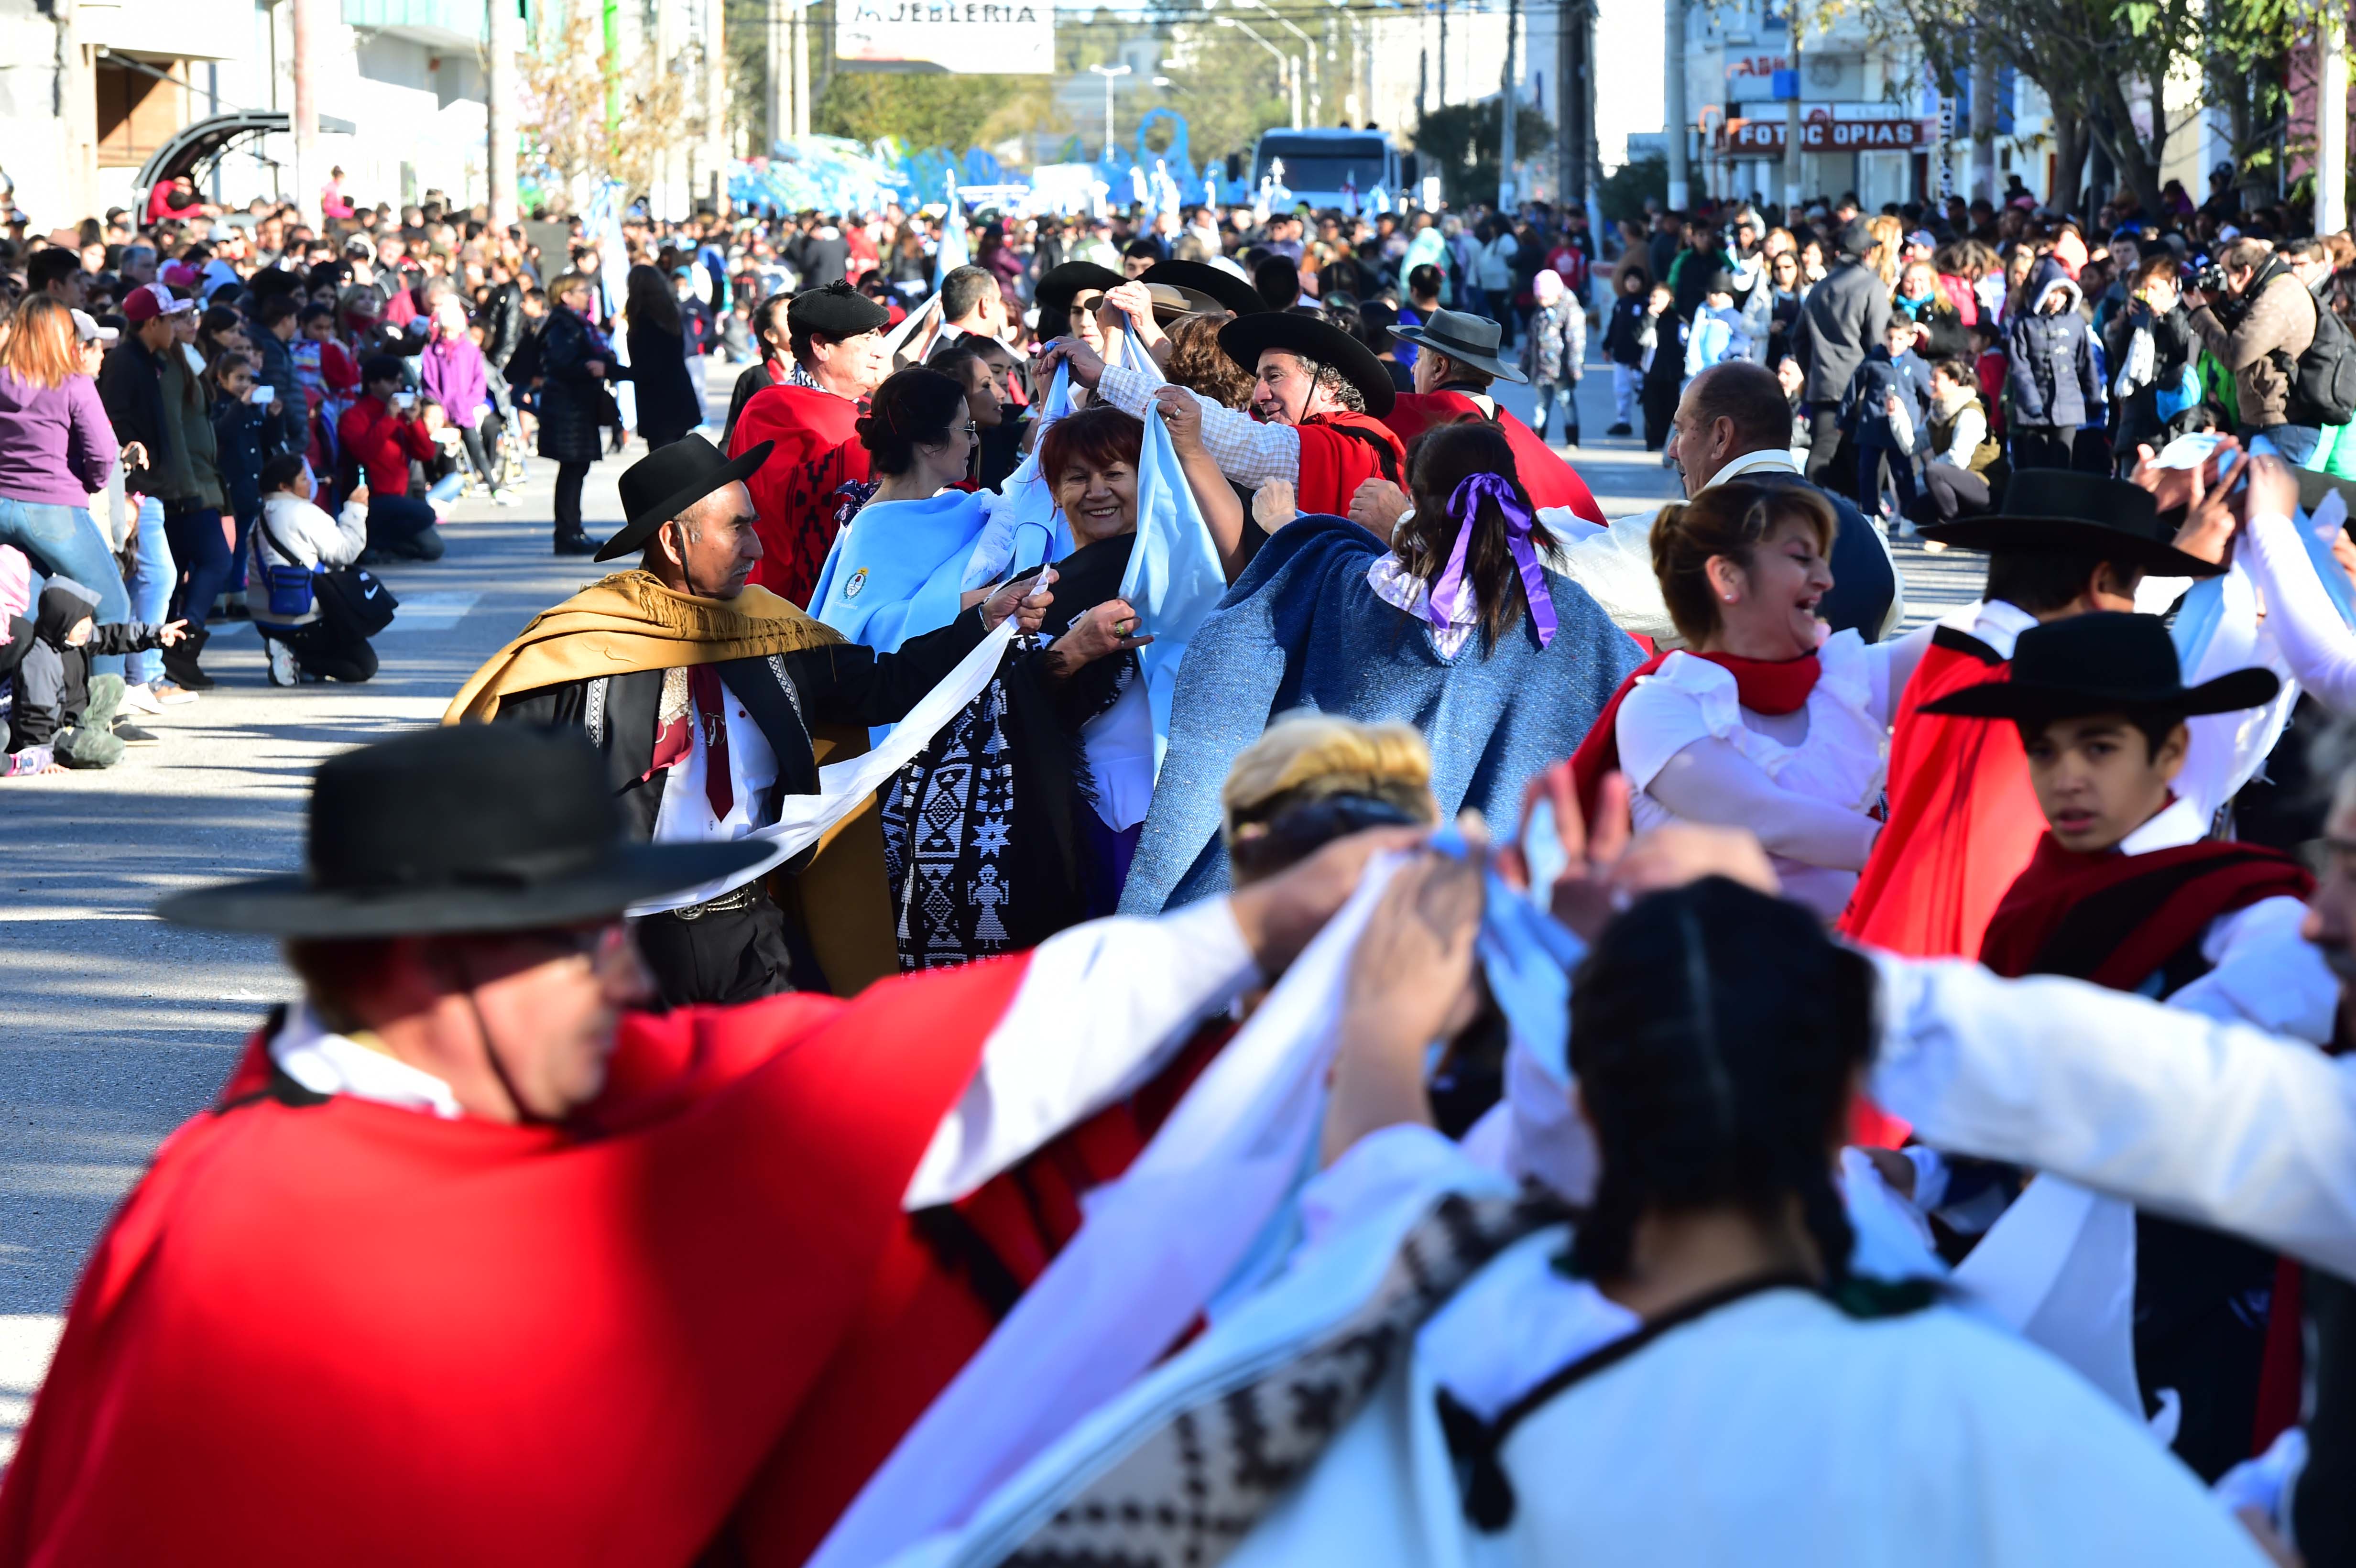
pixel 1715 1033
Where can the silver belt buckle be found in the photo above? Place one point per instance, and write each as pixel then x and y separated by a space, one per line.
pixel 735 899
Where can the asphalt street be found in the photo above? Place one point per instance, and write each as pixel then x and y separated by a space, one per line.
pixel 115 1029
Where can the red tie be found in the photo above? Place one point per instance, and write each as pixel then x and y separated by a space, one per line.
pixel 703 685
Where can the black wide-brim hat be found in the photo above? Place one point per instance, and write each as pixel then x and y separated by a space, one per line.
pixel 668 481
pixel 471 827
pixel 1468 340
pixel 1246 337
pixel 1223 288
pixel 2055 509
pixel 2106 662
pixel 1059 286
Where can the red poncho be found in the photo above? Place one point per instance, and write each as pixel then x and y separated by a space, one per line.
pixel 1550 481
pixel 338 1331
pixel 800 491
pixel 1962 820
pixel 1339 452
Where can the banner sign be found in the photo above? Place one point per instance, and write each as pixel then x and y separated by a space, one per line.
pixel 1008 38
pixel 1764 136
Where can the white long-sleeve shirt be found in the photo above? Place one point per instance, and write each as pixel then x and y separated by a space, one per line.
pixel 310 537
pixel 2217 1122
pixel 2315 642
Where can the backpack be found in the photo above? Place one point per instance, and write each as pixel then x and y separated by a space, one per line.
pixel 2323 382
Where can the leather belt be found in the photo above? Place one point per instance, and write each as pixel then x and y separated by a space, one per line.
pixel 727 902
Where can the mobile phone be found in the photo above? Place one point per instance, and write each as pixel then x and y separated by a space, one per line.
pixel 404 399
pixel 263 396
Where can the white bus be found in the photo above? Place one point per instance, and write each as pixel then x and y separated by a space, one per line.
pixel 1317 166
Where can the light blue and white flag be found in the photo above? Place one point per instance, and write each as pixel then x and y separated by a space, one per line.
pixel 1174 579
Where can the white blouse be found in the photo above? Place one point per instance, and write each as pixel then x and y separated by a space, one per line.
pixel 1803 782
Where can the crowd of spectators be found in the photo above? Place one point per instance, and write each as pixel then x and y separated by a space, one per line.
pixel 1932 348
pixel 170 375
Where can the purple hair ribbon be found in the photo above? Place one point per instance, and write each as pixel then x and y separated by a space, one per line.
pixel 1465 507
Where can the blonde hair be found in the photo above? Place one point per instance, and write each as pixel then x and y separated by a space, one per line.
pixel 41 346
pixel 1888 239
pixel 1306 756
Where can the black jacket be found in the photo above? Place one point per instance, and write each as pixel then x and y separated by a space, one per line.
pixel 573 402
pixel 668 409
pixel 131 385
pixel 842 683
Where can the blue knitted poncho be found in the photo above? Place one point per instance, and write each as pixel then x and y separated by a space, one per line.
pixel 1303 628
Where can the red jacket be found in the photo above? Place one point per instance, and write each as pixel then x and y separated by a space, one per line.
pixel 1550 481
pixel 383 443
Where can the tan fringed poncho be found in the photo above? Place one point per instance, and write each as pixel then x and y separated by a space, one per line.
pixel 630 621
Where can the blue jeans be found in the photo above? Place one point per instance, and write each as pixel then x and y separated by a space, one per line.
pixel 1548 394
pixel 151 588
pixel 2294 443
pixel 200 547
pixel 1870 455
pixel 62 541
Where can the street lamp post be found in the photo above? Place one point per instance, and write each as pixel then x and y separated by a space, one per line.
pixel 1308 54
pixel 1286 71
pixel 1110 72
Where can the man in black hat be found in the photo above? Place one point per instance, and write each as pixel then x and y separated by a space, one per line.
pixel 474 1263
pixel 1962 818
pixel 2128 889
pixel 709 699
pixel 1845 317
pixel 1319 397
pixel 818 477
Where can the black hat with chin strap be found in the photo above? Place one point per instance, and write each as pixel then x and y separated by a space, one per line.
pixel 1321 343
pixel 468 827
pixel 668 481
pixel 2104 662
pixel 2056 509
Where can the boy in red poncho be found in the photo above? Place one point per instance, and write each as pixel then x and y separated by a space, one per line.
pixel 816 476
pixel 459 1270
pixel 2126 890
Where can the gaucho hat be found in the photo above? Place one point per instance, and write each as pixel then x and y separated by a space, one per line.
pixel 473 827
pixel 1059 286
pixel 2106 662
pixel 2056 509
pixel 1221 288
pixel 668 481
pixel 1246 337
pixel 1467 339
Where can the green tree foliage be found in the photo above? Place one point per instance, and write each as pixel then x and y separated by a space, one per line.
pixel 1621 195
pixel 1224 84
pixel 1461 144
pixel 929 109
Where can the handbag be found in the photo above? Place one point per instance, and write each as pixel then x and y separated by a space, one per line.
pixel 354 602
pixel 291 588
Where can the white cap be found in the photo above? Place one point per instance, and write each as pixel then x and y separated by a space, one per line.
pixel 87 329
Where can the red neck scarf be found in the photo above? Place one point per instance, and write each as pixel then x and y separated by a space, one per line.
pixel 1772 686
pixel 2116 919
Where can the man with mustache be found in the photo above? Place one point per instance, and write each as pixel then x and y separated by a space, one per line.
pixel 709 698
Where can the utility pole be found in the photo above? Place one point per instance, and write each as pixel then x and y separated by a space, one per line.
pixel 800 49
pixel 715 104
pixel 1673 62
pixel 1983 181
pixel 668 165
pixel 499 104
pixel 1444 54
pixel 306 112
pixel 75 108
pixel 1507 103
pixel 1792 194
pixel 2331 117
pixel 776 120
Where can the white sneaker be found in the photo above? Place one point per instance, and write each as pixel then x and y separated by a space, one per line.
pixel 169 694
pixel 282 663
pixel 138 698
pixel 506 499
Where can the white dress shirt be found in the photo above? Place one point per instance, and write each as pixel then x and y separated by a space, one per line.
pixel 685 815
pixel 329 1063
